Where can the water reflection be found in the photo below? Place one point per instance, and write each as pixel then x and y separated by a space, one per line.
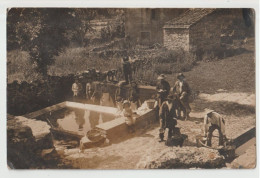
pixel 79 118
pixel 80 121
pixel 93 119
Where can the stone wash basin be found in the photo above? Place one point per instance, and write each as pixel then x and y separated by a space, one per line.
pixel 76 119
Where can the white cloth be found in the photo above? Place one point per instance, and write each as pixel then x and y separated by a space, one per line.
pixel 75 89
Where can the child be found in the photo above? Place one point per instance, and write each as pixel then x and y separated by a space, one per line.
pixel 128 113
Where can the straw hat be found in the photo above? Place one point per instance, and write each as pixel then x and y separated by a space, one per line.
pixel 126 102
pixel 208 110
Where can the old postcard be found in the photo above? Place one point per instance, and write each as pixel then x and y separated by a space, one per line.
pixel 131 88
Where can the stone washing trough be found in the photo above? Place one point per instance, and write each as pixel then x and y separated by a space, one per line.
pixel 76 119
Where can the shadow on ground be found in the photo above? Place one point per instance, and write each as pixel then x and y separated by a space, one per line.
pixel 224 107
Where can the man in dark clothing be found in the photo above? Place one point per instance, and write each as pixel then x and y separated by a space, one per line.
pixel 127 69
pixel 183 91
pixel 134 94
pixel 168 117
pixel 163 89
pixel 121 92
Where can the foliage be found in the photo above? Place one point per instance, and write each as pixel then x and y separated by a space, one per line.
pixel 44 32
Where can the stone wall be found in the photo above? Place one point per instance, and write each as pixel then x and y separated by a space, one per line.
pixel 145 92
pixel 208 33
pixel 27 97
pixel 176 38
pixel 148 20
pixel 208 36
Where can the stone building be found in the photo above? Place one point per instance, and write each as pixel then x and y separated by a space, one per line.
pixel 144 25
pixel 205 29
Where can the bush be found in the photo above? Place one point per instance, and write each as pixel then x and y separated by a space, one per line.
pixel 74 60
pixel 162 61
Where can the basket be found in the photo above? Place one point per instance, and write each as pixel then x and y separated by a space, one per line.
pixel 150 103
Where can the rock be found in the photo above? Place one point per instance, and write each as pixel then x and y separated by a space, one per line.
pixel 20 145
pixel 40 131
pixel 25 139
pixel 182 158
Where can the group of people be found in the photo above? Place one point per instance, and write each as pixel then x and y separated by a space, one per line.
pixel 171 103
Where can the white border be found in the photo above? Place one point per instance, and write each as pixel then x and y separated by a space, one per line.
pixel 4 4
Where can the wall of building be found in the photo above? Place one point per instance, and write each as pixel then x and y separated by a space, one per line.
pixel 144 25
pixel 176 38
pixel 208 33
pixel 222 26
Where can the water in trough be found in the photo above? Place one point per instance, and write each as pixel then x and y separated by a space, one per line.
pixel 79 121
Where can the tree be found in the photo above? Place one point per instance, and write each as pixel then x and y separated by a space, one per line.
pixel 44 32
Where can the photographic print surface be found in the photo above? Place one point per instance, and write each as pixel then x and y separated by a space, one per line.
pixel 131 88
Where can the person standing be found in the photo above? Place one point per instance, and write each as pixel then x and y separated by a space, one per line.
pixel 183 92
pixel 134 95
pixel 89 91
pixel 127 70
pixel 76 89
pixel 167 115
pixel 163 89
pixel 212 121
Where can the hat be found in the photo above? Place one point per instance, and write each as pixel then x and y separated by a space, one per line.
pixel 180 75
pixel 125 58
pixel 208 110
pixel 126 102
pixel 162 76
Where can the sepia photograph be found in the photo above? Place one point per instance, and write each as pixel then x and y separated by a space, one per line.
pixel 131 88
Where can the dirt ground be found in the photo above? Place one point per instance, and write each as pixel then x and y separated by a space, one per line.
pixel 126 154
pixel 234 99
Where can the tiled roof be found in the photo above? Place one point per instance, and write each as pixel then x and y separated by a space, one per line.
pixel 188 18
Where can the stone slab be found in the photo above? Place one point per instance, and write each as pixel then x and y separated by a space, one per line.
pixel 117 128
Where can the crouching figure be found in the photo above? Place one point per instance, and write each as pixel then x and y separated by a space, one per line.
pixel 212 121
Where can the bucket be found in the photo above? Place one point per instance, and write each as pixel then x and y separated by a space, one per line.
pixel 150 103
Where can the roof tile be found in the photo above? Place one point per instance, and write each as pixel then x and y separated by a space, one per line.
pixel 188 18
